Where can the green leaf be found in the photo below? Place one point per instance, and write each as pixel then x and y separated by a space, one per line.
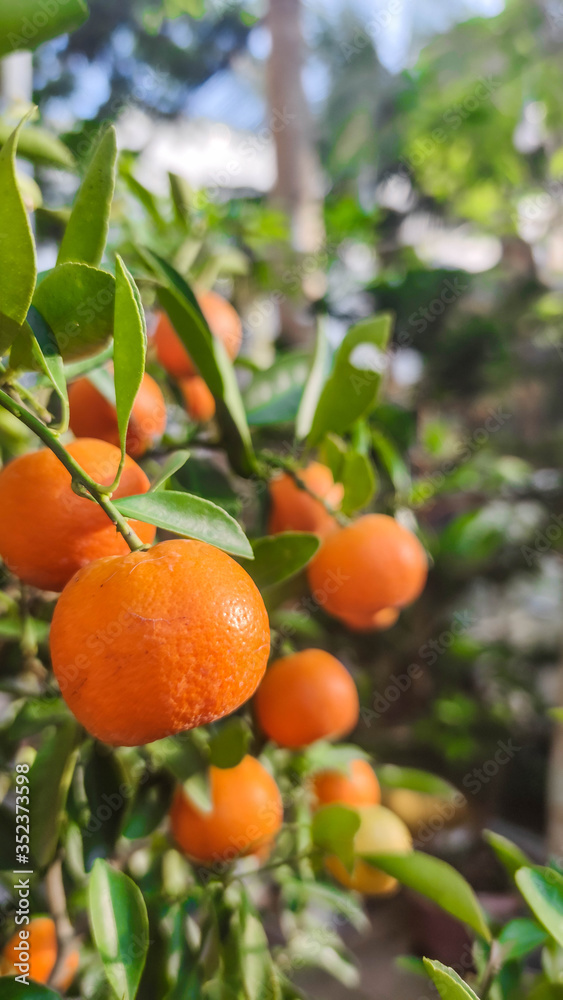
pixel 18 267
pixel 198 789
pixel 40 146
pixel 314 385
pixel 439 882
pixel 352 387
pixel 120 927
pixel 187 515
pixel 520 937
pixel 279 557
pixel 179 754
pixel 106 791
pixel 323 756
pixel 11 990
pixel 229 745
pixel 211 359
pixel 35 715
pixel 77 302
pixel 86 233
pixel 333 830
pixel 358 478
pixel 274 395
pixel 175 461
pixel 509 855
pixel 449 985
pixel 150 805
pixel 542 888
pixel 40 344
pixel 393 776
pixel 15 15
pixel 49 781
pixel 392 462
pixel 129 347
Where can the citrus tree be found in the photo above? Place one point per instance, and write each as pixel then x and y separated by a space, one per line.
pixel 180 532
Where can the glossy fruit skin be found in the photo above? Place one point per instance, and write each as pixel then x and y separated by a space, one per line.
pixel 153 643
pixel 292 509
pixel 47 532
pixel 378 622
pixel 358 787
pixel 305 697
pixel 42 942
pixel 223 321
pixel 247 814
pixel 198 399
pixel 380 832
pixel 370 565
pixel 91 415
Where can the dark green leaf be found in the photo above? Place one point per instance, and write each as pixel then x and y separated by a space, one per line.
pixel 120 927
pixel 77 301
pixel 274 395
pixel 508 853
pixel 11 990
pixel 392 462
pixel 229 744
pixel 279 557
pixel 520 937
pixel 449 985
pixel 439 882
pixel 41 343
pixel 35 715
pixel 108 794
pixel 49 780
pixel 190 516
pixel 358 478
pixel 352 387
pixel 150 805
pixel 129 347
pixel 86 233
pixel 14 15
pixel 18 268
pixel 542 888
pixel 333 830
pixel 393 776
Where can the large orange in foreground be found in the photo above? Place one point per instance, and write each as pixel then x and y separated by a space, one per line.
pixel 293 509
pixel 356 787
pixel 223 321
pixel 47 532
pixel 247 813
pixel 152 643
pixel 305 697
pixel 91 415
pixel 373 564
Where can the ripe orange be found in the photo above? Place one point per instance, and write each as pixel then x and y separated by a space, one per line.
pixel 379 622
pixel 305 697
pixel 380 832
pixel 373 564
pixel 91 415
pixel 246 815
pixel 223 321
pixel 152 643
pixel 40 950
pixel 358 787
pixel 47 532
pixel 292 509
pixel 198 398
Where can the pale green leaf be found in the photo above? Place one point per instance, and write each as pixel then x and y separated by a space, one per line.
pixel 86 233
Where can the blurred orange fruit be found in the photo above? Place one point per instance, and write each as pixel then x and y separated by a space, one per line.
pixel 47 532
pixel 357 787
pixel 246 814
pixel 368 566
pixel 152 643
pixel 378 622
pixel 380 832
pixel 305 697
pixel 198 398
pixel 293 509
pixel 40 950
pixel 91 415
pixel 223 321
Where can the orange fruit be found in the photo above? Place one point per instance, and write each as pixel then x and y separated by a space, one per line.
pixel 358 787
pixel 368 566
pixel 91 415
pixel 152 643
pixel 198 398
pixel 39 949
pixel 305 697
pixel 47 532
pixel 246 814
pixel 223 321
pixel 292 509
pixel 380 832
pixel 379 622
